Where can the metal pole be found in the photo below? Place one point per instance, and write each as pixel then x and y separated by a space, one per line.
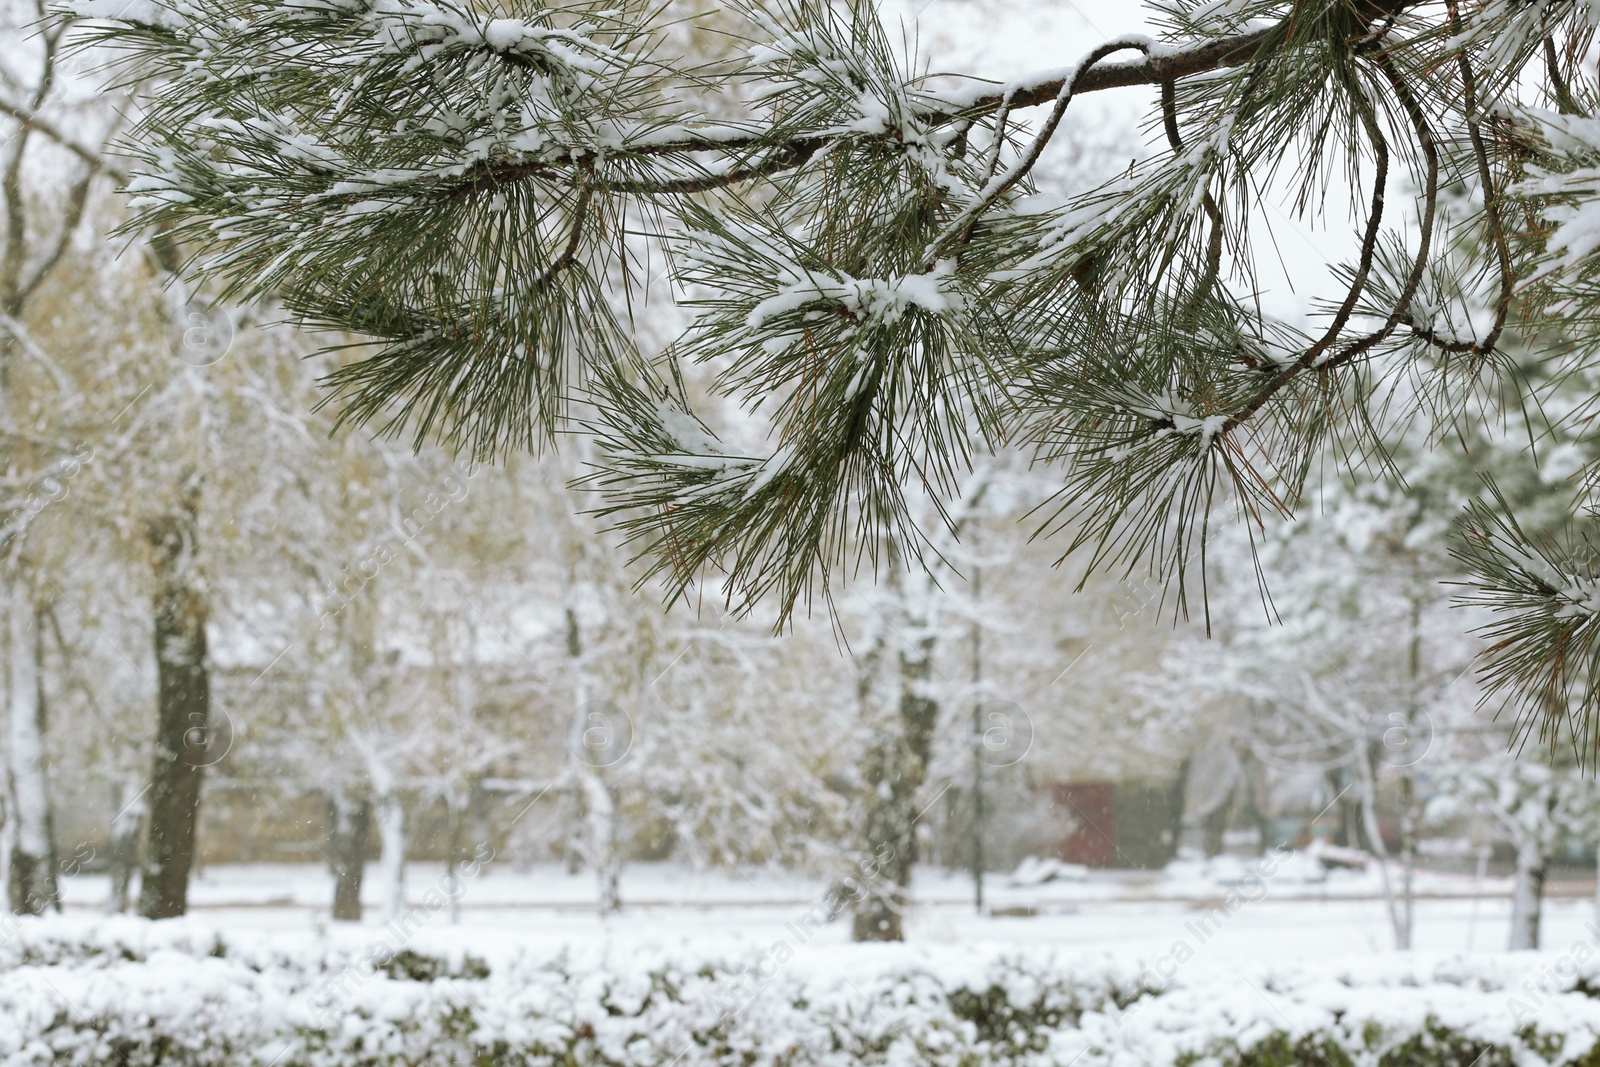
pixel 977 745
pixel 1477 892
pixel 1408 787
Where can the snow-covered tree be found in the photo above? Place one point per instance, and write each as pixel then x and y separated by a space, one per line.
pixel 1533 805
pixel 41 450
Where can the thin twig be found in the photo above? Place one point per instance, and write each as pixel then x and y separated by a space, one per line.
pixel 1491 202
pixel 77 201
pixel 1358 284
pixel 1208 203
pixel 1001 117
pixel 96 160
pixel 1491 206
pixel 1558 85
pixel 960 230
pixel 1401 311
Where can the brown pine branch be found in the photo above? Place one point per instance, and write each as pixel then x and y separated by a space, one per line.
pixel 1039 89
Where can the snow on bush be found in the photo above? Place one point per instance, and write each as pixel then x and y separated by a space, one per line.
pixel 129 992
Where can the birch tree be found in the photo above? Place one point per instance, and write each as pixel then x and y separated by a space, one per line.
pixel 41 219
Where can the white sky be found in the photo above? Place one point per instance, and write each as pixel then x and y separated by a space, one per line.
pixel 1005 39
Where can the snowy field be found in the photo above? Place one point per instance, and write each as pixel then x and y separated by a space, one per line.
pixel 1297 912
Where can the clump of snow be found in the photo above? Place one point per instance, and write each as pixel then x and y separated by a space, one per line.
pixel 1036 871
pixel 876 301
pixel 1567 193
pixel 1580 598
pixel 167 16
pixel 1174 415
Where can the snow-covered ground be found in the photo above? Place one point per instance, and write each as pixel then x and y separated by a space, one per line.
pixel 1297 910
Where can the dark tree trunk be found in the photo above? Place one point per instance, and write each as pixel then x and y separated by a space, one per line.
pixel 33 889
pixel 1177 794
pixel 347 840
pixel 183 710
pixel 895 771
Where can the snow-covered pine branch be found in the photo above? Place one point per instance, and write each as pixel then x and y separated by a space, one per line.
pixel 880 285
pixel 1544 642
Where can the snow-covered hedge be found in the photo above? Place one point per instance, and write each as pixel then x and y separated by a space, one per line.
pixel 134 993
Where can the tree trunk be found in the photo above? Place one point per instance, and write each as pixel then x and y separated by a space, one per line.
pixel 598 801
pixel 392 860
pixel 1597 886
pixel 1253 783
pixel 347 847
pixel 1410 817
pixel 183 706
pixel 1527 897
pixel 895 771
pixel 600 838
pixel 478 820
pixel 126 826
pixel 1408 859
pixel 1177 795
pixel 1347 834
pixel 1214 827
pixel 31 870
pixel 570 805
pixel 452 857
pixel 1367 782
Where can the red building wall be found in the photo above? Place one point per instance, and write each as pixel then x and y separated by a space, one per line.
pixel 1090 809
